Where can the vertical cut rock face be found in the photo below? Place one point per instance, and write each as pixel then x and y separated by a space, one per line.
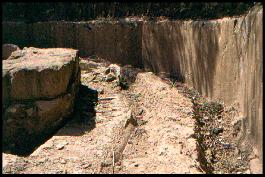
pixel 222 59
pixel 39 88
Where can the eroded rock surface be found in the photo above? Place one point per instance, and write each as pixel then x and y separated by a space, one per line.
pixel 39 88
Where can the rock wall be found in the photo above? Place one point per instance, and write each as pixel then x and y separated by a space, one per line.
pixel 117 41
pixel 251 76
pixel 220 58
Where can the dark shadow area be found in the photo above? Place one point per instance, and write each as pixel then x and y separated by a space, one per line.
pixel 80 121
pixel 84 113
pixel 188 53
pixel 56 11
pixel 200 146
pixel 206 50
pixel 122 46
pixel 165 54
pixel 179 59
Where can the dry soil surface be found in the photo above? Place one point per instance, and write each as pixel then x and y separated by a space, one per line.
pixel 147 128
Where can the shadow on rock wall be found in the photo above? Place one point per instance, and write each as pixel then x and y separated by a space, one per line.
pixel 162 47
pixel 81 121
pixel 84 115
pixel 187 52
pixel 203 65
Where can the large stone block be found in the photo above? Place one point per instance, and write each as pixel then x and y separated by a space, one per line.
pixel 39 73
pixel 39 90
pixel 23 123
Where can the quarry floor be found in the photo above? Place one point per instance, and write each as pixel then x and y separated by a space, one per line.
pixel 148 128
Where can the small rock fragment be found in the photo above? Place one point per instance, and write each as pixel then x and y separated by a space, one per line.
pixel 87 65
pixel 110 77
pixel 87 165
pixel 107 71
pixel 63 161
pixel 217 130
pixel 206 118
pixel 61 145
pixel 247 172
pixel 141 111
pixel 100 91
pixel 226 145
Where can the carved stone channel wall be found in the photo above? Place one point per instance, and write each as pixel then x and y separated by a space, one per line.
pixel 220 58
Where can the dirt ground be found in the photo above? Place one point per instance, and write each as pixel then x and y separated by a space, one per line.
pixel 147 128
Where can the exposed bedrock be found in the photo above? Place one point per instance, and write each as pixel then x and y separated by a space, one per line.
pixel 221 58
pixel 117 41
pixel 39 89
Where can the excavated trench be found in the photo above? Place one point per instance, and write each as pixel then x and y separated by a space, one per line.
pixel 218 132
pixel 127 137
pixel 152 124
pixel 221 58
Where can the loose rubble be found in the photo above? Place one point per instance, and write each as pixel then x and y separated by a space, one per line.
pixel 218 132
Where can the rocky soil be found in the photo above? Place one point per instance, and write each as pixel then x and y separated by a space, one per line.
pixel 125 121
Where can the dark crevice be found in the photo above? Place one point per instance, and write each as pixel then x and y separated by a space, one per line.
pixel 218 140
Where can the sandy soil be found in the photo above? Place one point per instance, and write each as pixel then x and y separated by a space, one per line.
pixel 164 142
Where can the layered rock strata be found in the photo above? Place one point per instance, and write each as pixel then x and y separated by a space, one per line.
pixel 39 89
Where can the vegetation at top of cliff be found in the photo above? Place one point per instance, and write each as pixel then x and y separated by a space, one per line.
pixel 39 11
